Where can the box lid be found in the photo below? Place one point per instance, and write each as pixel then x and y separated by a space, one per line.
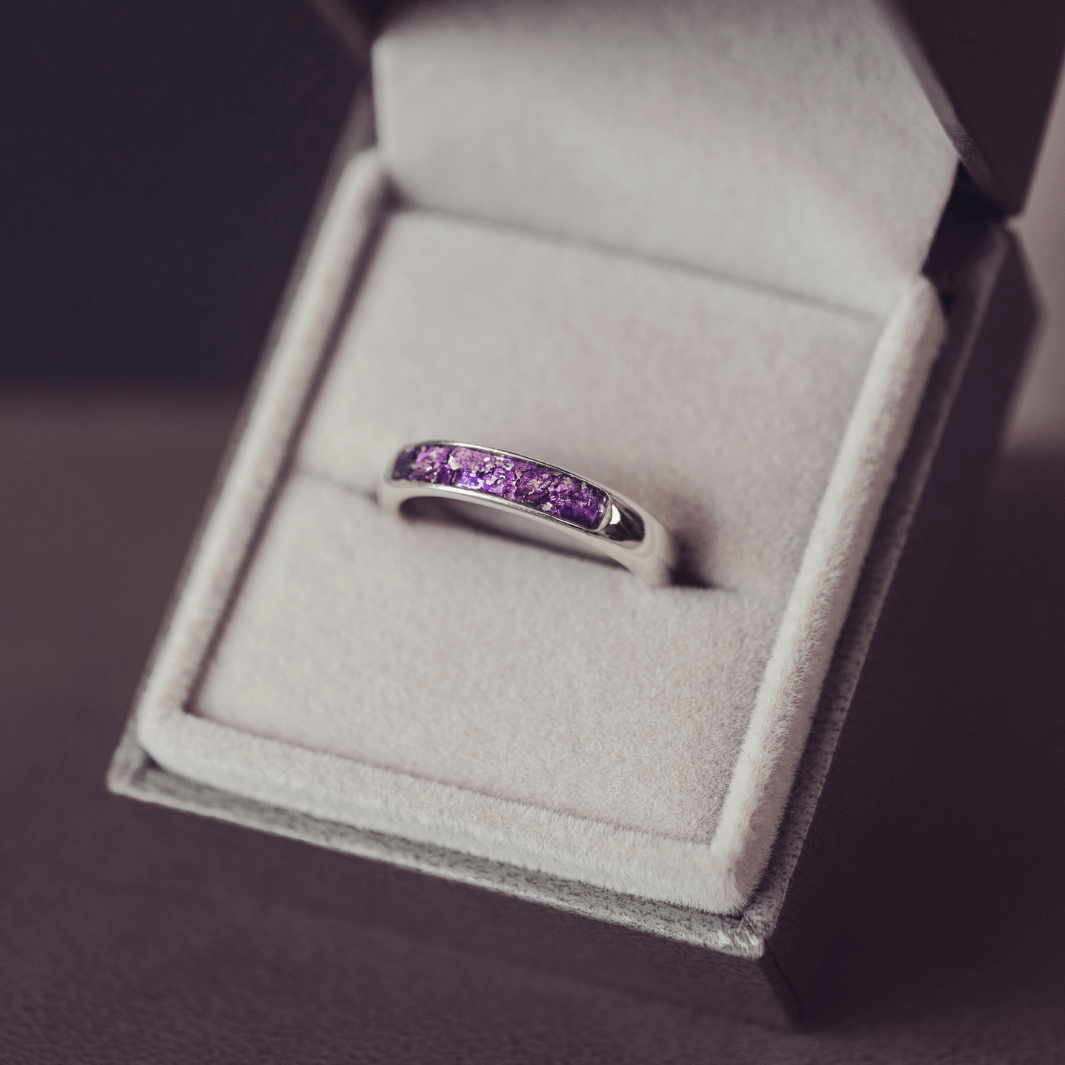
pixel 989 70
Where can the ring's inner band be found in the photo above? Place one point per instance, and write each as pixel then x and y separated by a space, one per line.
pixel 533 485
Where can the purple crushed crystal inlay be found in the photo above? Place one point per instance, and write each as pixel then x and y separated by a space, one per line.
pixel 519 480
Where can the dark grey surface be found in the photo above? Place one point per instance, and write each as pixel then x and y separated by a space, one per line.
pixel 158 163
pixel 123 942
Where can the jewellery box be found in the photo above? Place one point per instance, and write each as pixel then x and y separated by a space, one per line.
pixel 722 257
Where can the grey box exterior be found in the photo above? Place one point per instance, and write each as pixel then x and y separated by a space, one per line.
pixel 764 964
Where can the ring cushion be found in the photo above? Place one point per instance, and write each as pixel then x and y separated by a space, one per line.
pixel 679 278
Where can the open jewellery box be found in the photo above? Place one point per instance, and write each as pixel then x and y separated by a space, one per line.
pixel 721 257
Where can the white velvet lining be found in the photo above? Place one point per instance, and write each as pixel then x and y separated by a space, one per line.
pixel 512 670
pixel 788 143
pixel 496 697
pixel 637 793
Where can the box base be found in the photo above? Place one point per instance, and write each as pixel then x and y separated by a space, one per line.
pixel 768 964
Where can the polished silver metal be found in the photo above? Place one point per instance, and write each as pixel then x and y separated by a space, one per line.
pixel 627 534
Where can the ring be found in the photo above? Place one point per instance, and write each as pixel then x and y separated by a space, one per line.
pixel 597 516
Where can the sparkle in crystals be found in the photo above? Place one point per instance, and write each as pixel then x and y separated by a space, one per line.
pixel 519 480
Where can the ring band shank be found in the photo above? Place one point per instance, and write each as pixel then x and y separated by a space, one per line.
pixel 625 532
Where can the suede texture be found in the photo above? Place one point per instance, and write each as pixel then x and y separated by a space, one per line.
pixel 499 666
pixel 483 693
pixel 789 144
pixel 492 734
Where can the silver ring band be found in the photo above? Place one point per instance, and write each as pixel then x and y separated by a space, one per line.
pixel 597 516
